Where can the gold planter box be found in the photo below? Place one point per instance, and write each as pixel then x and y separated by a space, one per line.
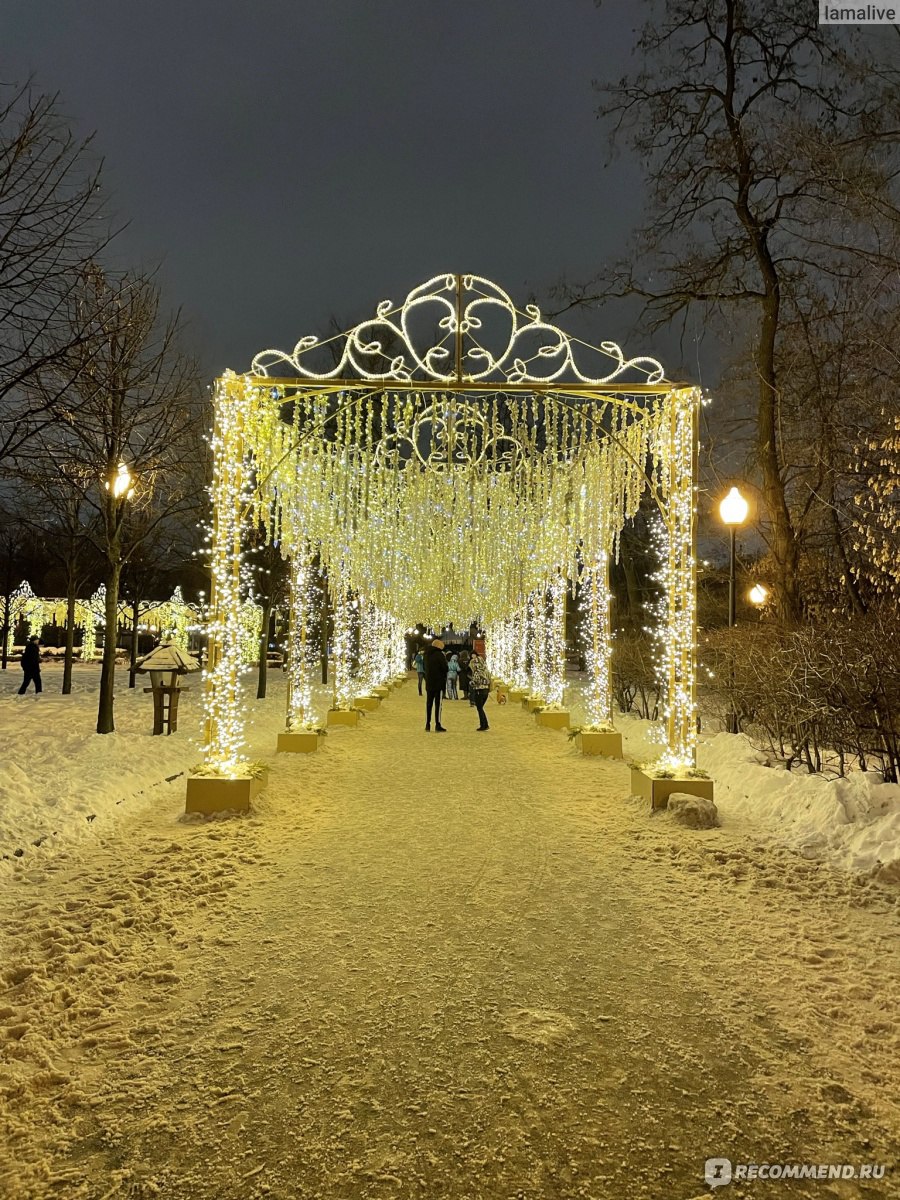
pixel 301 742
pixel 658 791
pixel 595 741
pixel 209 794
pixel 553 720
pixel 366 703
pixel 342 716
pixel 516 695
pixel 530 704
pixel 381 691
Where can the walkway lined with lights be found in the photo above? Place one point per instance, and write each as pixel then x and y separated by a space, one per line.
pixel 446 966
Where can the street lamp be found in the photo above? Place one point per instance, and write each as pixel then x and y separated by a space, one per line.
pixel 733 511
pixel 121 485
pixel 758 595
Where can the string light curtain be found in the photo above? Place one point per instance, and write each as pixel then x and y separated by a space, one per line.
pixel 478 493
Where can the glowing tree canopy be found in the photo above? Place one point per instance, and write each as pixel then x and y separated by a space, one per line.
pixel 453 456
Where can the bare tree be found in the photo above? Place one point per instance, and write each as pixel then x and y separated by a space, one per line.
pixel 770 149
pixel 134 429
pixel 62 519
pixel 51 225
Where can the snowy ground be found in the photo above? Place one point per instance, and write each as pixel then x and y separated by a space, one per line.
pixel 455 966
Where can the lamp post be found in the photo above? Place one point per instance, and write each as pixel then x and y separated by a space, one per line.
pixel 733 511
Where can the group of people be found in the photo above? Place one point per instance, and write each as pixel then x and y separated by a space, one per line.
pixel 443 676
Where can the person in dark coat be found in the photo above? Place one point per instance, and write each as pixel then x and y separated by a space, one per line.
pixel 479 689
pixel 31 665
pixel 435 679
pixel 464 673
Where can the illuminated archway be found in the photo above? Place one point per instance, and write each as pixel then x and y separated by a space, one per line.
pixel 457 454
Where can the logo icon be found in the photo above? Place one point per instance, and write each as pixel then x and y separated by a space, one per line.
pixel 717 1172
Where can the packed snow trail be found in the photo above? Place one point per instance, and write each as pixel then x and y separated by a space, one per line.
pixel 446 966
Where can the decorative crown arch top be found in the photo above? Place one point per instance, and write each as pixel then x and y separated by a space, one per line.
pixel 527 349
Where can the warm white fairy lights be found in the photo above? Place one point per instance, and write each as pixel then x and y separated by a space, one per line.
pixel 343 683
pixel 302 651
pixel 679 579
pixel 176 619
pixel 416 503
pixel 27 608
pixel 596 634
pixel 234 403
pixel 555 657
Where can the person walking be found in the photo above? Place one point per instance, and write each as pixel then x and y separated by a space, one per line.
pixel 479 688
pixel 31 665
pixel 452 677
pixel 435 679
pixel 419 664
pixel 464 673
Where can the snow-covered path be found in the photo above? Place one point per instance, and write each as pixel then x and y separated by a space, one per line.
pixel 454 966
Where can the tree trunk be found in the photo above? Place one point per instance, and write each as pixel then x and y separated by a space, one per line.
pixel 264 649
pixel 5 632
pixel 784 541
pixel 135 617
pixel 70 633
pixel 105 721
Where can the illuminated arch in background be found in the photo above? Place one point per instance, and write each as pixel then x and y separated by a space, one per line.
pixel 456 454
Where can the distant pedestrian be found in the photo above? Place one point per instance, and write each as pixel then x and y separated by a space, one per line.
pixel 419 664
pixel 435 679
pixel 464 673
pixel 479 688
pixel 31 665
pixel 452 677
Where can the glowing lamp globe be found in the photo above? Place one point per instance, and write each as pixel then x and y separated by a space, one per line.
pixel 734 508
pixel 759 594
pixel 122 484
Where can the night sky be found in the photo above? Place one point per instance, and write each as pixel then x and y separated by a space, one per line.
pixel 291 162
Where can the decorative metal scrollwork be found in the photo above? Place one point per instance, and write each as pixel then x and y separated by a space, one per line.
pixel 450 432
pixel 473 333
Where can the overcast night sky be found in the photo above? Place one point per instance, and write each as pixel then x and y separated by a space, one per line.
pixel 287 162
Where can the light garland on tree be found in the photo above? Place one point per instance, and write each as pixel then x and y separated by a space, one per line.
pixel 27 608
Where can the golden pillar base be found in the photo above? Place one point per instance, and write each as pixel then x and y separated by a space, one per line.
pixel 342 716
pixel 553 720
pixel 210 794
pixel 606 743
pixel 301 742
pixel 658 791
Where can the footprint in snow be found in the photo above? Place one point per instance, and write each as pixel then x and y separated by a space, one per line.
pixel 539 1026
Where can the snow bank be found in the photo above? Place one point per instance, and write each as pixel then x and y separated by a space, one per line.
pixel 60 781
pixel 851 823
pixel 854 822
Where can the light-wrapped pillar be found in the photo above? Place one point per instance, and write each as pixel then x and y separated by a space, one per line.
pixel 232 404
pixel 597 641
pixel 681 579
pixel 303 652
